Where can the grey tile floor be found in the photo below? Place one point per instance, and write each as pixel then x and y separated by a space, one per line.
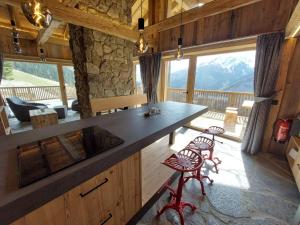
pixel 248 190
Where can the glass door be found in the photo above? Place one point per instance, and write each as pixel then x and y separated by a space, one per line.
pixel 177 80
pixel 224 83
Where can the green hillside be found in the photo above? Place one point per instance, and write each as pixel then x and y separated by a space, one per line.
pixel 19 76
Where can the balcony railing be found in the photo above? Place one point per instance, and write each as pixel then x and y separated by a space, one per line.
pixel 36 93
pixel 216 101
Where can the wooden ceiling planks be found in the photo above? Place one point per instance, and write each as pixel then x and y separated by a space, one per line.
pixel 209 9
pixel 262 17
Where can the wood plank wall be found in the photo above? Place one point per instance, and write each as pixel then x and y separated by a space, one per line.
pixel 263 17
pixel 288 93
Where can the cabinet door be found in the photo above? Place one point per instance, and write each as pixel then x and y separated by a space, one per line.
pixel 131 183
pixel 51 213
pixel 97 201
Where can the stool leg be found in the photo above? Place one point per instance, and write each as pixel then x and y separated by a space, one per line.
pixel 185 204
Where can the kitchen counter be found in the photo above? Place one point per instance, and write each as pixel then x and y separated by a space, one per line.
pixel 130 125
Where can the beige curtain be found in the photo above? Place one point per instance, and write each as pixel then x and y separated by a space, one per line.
pixel 268 51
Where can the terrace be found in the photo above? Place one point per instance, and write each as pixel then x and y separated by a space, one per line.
pixel 217 102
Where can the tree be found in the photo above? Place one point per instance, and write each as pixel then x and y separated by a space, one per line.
pixel 8 70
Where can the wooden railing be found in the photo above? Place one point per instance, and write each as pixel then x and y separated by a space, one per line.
pixel 216 101
pixel 36 93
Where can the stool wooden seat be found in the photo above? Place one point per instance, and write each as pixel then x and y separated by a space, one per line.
pixel 186 160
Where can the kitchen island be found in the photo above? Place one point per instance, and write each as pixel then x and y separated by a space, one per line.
pixel 111 178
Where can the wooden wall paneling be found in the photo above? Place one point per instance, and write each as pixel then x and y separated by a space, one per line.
pixel 217 28
pixel 286 57
pixel 188 34
pixel 291 96
pixel 199 30
pixel 290 101
pixel 254 19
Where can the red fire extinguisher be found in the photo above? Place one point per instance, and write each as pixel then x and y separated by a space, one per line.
pixel 281 130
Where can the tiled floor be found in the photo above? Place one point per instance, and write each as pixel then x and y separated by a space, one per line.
pixel 249 190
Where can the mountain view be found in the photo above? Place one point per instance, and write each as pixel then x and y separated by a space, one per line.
pixel 225 72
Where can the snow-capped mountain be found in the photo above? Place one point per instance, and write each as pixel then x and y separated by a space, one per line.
pixel 228 73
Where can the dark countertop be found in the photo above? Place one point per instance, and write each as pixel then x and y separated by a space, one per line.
pixel 130 125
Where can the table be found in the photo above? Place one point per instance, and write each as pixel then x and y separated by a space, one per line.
pixel 130 125
pixel 43 117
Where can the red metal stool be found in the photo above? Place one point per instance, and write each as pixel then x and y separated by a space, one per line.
pixel 201 144
pixel 186 160
pixel 215 131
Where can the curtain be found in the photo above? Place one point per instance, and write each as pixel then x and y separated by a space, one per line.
pixel 1 66
pixel 150 72
pixel 266 70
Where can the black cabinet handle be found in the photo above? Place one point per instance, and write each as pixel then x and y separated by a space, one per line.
pixel 88 192
pixel 107 219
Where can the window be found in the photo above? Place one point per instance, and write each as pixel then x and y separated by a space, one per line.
pixel 231 72
pixel 138 80
pixel 36 82
pixel 177 80
pixel 69 79
pixel 20 74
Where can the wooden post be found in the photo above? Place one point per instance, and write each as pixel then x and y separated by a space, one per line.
pixel 62 86
pixel 164 80
pixel 191 79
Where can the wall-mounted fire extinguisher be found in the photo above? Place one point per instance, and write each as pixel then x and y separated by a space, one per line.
pixel 281 130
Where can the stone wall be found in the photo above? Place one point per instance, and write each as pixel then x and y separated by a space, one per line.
pixel 109 65
pixel 103 63
pixel 116 9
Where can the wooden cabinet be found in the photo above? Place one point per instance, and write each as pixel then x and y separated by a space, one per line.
pixel 293 156
pixel 110 198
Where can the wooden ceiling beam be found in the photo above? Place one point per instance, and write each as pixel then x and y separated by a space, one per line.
pixel 45 34
pixel 28 34
pixel 209 9
pixel 293 27
pixel 96 22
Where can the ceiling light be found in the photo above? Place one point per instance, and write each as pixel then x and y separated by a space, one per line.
pixel 15 38
pixel 200 4
pixel 37 14
pixel 141 44
pixel 179 52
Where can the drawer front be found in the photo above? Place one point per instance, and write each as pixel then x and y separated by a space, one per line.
pixel 94 202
